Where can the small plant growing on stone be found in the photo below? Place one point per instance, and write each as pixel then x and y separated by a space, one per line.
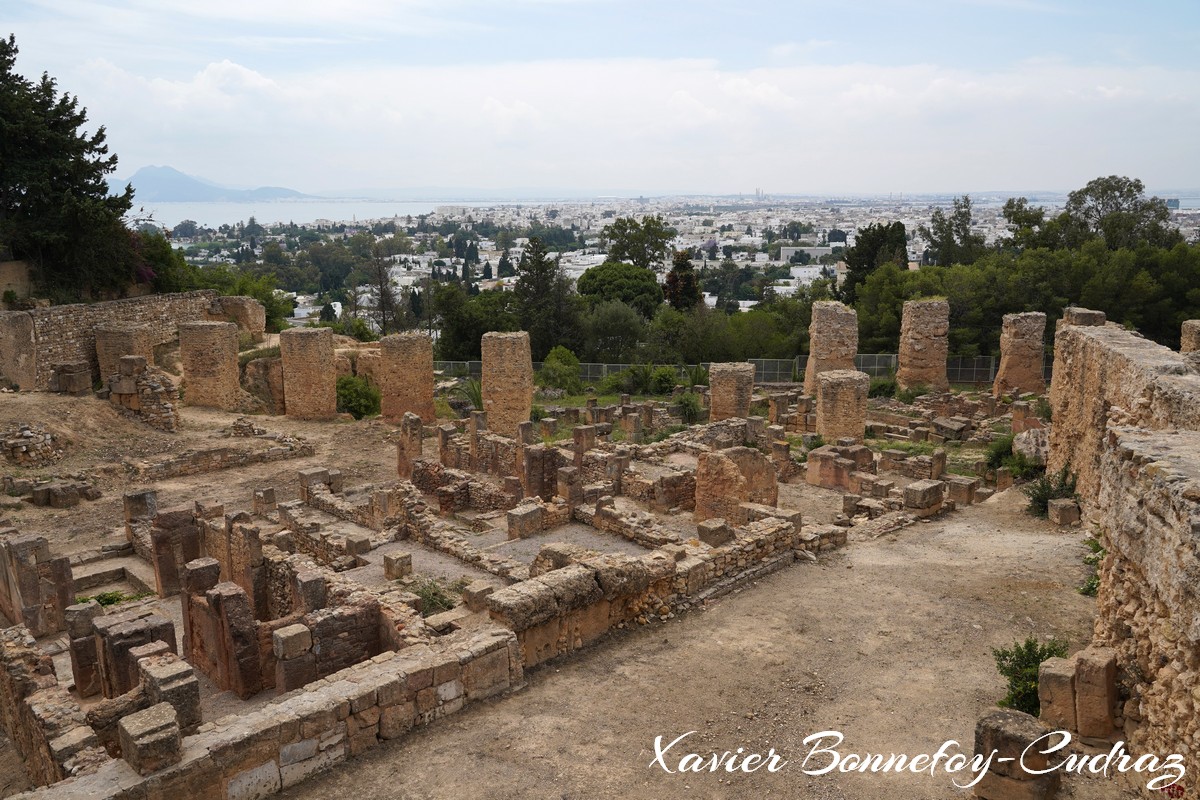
pixel 436 597
pixel 355 396
pixel 1042 409
pixel 114 597
pixel 1091 586
pixel 690 408
pixel 1019 664
pixel 1046 488
pixel 998 450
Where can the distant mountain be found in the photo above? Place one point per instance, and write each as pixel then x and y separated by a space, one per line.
pixel 169 185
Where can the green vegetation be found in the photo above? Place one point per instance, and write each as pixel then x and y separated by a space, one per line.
pixel 357 397
pixel 999 453
pixel 882 387
pixel 471 391
pixel 114 597
pixel 690 408
pixel 436 595
pixel 1046 488
pixel 1019 664
pixel 906 396
pixel 560 370
pixel 666 433
pixel 1096 552
pixel 262 352
pixel 908 448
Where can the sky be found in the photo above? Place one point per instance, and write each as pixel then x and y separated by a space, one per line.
pixel 633 97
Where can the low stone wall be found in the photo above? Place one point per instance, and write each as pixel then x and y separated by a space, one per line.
pixel 272 748
pixel 197 462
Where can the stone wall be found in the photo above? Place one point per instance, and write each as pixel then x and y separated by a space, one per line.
pixel 841 402
pixel 309 378
pixel 507 381
pixel 924 345
pixel 209 353
pixel 405 376
pixel 116 339
pixel 832 341
pixel 148 393
pixel 1149 596
pixel 35 586
pixel 18 354
pixel 730 388
pixel 276 746
pixel 247 313
pixel 1105 373
pixel 727 478
pixel 1022 349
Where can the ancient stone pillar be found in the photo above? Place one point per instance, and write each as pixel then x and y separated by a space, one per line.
pixel 924 346
pixel 842 404
pixel 408 445
pixel 507 380
pixel 405 376
pixel 1022 340
pixel 730 387
pixel 832 340
pixel 309 377
pixel 1189 341
pixel 209 352
pixel 116 339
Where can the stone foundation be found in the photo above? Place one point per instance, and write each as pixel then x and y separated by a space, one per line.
pixel 209 353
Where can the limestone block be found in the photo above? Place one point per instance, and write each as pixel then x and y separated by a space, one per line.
pixel 832 341
pixel 1056 693
pixel 209 353
pixel 1063 511
pixel 714 532
pixel 841 401
pixel 507 380
pixel 1083 317
pixel 150 739
pixel 1095 691
pixel 405 376
pixel 524 521
pixel 924 345
pixel 924 494
pixel 1009 734
pixel 291 641
pixel 397 565
pixel 476 594
pixel 962 489
pixel 1189 341
pixel 730 388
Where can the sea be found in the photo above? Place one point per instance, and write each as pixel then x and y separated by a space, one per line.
pixel 269 212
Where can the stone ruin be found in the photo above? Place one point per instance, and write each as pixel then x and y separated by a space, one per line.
pixel 209 352
pixel 307 607
pixel 1189 340
pixel 309 379
pixel 832 341
pixel 1022 343
pixel 507 380
pixel 924 345
pixel 405 376
pixel 146 392
pixel 31 446
pixel 730 388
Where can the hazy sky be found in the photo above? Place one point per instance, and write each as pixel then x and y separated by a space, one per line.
pixel 634 96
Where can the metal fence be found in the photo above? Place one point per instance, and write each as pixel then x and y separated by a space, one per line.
pixel 975 370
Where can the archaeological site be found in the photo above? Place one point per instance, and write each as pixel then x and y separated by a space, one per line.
pixel 215 585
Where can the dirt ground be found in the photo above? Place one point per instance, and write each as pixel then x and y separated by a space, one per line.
pixel 887 641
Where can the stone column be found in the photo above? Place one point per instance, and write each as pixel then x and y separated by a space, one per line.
pixel 1189 341
pixel 842 404
pixel 729 387
pixel 832 341
pixel 1022 339
pixel 924 346
pixel 209 352
pixel 309 376
pixel 116 339
pixel 507 380
pixel 406 376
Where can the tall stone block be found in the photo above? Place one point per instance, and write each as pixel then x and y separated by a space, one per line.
pixel 924 345
pixel 309 376
pixel 507 381
pixel 116 339
pixel 405 376
pixel 842 404
pixel 729 388
pixel 1189 339
pixel 1022 347
pixel 209 352
pixel 832 341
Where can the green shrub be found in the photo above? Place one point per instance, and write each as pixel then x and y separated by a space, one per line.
pixel 639 378
pixel 10 297
pixel 882 387
pixel 1022 466
pixel 663 380
pixel 560 370
pixel 612 383
pixel 906 396
pixel 537 414
pixel 1091 586
pixel 114 597
pixel 436 597
pixel 357 397
pixel 1046 488
pixel 998 450
pixel 695 376
pixel 1019 665
pixel 1042 409
pixel 690 408
pixel 471 391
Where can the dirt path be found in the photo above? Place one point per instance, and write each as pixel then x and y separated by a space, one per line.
pixel 888 641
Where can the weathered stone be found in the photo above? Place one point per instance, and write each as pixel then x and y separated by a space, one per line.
pixel 730 388
pixel 841 401
pixel 150 739
pixel 406 376
pixel 507 380
pixel 1022 350
pixel 832 341
pixel 924 345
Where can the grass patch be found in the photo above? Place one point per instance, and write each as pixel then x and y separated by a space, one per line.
pixel 436 595
pixel 115 597
pixel 909 448
pixel 906 396
pixel 262 352
pixel 666 432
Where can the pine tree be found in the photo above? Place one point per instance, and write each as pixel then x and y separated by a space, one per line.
pixel 683 289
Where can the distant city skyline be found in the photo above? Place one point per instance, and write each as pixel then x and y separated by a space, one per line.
pixel 625 98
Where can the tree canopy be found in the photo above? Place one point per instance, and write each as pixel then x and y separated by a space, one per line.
pixel 615 280
pixel 643 244
pixel 55 206
pixel 875 245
